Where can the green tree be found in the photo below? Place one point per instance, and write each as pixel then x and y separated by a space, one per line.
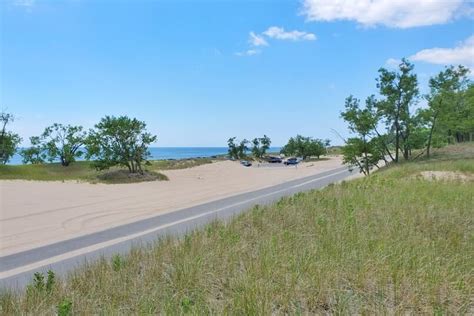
pixel 304 147
pixel 9 141
pixel 119 141
pixel 364 155
pixel 260 146
pixel 35 154
pixel 400 92
pixel 63 143
pixel 237 150
pixel 365 150
pixel 445 92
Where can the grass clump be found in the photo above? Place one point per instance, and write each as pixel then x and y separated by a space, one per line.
pixel 83 171
pixel 158 165
pixel 391 243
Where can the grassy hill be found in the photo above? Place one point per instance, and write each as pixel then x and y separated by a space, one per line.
pixel 397 242
pixel 83 171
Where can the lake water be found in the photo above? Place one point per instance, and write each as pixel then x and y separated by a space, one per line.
pixel 171 153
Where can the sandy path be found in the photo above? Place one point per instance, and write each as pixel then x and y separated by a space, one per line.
pixel 35 213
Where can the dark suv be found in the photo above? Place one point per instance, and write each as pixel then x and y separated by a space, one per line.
pixel 291 161
pixel 274 160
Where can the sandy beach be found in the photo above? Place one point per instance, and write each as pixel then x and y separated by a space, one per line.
pixel 35 213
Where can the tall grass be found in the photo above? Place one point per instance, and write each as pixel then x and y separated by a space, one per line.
pixel 389 244
pixel 83 171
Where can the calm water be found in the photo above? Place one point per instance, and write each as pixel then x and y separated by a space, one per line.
pixel 172 153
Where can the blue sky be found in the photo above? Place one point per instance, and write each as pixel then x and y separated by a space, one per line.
pixel 199 72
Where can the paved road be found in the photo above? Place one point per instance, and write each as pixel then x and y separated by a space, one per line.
pixel 17 269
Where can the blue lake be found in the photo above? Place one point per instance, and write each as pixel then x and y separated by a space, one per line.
pixel 171 153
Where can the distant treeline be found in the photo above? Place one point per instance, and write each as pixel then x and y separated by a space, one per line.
pixel 298 146
pixel 113 141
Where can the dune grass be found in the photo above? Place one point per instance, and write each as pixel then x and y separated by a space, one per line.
pixel 392 243
pixel 83 171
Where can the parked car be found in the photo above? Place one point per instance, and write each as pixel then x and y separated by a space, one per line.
pixel 273 159
pixel 245 163
pixel 292 161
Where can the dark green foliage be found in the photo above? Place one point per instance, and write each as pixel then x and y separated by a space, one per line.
pixel 237 150
pixel 449 116
pixel 9 141
pixel 119 141
pixel 38 281
pixel 58 142
pixel 304 147
pixel 34 154
pixel 50 281
pixel 260 146
pixel 399 90
pixel 367 149
pixel 450 112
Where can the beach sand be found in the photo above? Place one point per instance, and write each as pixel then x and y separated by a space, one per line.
pixel 36 213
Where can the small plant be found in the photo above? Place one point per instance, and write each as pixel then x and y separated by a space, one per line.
pixel 50 281
pixel 186 304
pixel 38 281
pixel 117 262
pixel 64 307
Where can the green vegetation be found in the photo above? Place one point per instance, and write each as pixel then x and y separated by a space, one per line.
pixel 305 147
pixel 58 142
pixel 448 118
pixel 260 146
pixel 119 141
pixel 84 171
pixel 237 149
pixel 157 165
pixel 9 141
pixel 392 243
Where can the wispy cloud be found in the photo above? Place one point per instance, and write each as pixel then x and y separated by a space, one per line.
pixel 274 33
pixel 249 52
pixel 279 33
pixel 396 13
pixel 257 40
pixel 463 54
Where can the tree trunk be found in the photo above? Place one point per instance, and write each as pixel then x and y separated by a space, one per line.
pixel 366 161
pixel 397 142
pixel 430 137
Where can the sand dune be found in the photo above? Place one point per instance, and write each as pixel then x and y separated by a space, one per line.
pixel 35 213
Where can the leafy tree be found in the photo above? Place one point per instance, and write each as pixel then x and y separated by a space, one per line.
pixel 304 147
pixel 119 141
pixel 444 94
pixel 9 141
pixel 400 91
pixel 35 154
pixel 365 150
pixel 362 154
pixel 260 146
pixel 237 150
pixel 63 142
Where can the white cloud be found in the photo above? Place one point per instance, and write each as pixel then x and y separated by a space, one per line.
pixel 280 33
pixel 249 52
pixel 391 13
pixel 462 54
pixel 257 40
